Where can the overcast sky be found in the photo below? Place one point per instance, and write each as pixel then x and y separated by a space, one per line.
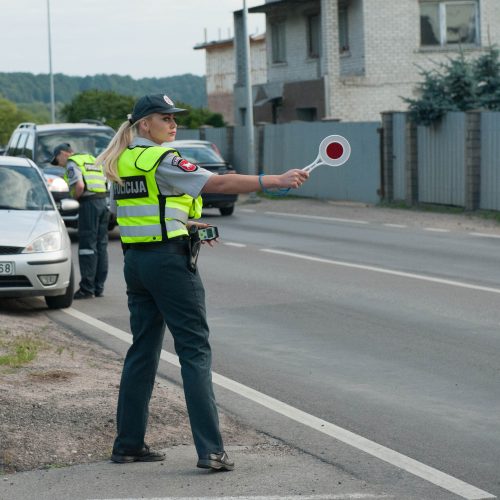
pixel 140 38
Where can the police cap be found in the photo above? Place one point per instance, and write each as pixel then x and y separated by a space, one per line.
pixel 61 147
pixel 153 103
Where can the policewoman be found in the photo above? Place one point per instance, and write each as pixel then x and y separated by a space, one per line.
pixel 87 185
pixel 157 194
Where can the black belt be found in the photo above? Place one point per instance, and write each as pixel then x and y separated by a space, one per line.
pixel 96 196
pixel 178 246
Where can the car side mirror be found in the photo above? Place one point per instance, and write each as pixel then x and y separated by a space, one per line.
pixel 69 205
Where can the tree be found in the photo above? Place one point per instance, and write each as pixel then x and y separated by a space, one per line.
pixel 487 71
pixel 112 108
pixel 104 105
pixel 458 85
pixel 196 117
pixel 10 117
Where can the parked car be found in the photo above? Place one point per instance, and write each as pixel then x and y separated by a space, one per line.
pixel 35 249
pixel 207 155
pixel 37 142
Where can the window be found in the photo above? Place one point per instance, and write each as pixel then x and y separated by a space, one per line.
pixel 313 35
pixel 306 114
pixel 12 146
pixel 343 28
pixel 278 42
pixel 449 23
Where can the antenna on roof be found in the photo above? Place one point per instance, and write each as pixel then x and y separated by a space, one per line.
pixel 205 31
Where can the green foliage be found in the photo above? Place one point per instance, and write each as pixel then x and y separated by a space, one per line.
pixel 38 110
pixel 112 109
pixel 458 85
pixel 104 105
pixel 10 117
pixel 27 87
pixel 487 71
pixel 196 117
pixel 22 350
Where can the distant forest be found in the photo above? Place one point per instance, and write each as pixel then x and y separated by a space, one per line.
pixel 27 88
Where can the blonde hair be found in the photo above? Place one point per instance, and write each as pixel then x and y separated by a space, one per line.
pixel 109 157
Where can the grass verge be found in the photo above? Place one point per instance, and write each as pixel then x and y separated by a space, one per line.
pixel 19 351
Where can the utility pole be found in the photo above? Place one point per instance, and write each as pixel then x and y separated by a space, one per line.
pixel 252 167
pixel 51 75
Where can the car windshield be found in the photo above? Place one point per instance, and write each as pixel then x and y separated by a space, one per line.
pixel 199 154
pixel 22 188
pixel 82 141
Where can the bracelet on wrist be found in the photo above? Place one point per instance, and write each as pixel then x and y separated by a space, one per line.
pixel 261 184
pixel 277 192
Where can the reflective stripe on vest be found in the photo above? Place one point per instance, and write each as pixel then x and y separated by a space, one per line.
pixel 140 203
pixel 93 175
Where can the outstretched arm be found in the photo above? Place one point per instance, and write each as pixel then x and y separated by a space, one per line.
pixel 239 184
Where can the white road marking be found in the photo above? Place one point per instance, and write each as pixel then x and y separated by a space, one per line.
pixel 247 210
pixel 396 225
pixel 233 244
pixel 317 217
pixel 485 235
pixel 414 467
pixel 347 496
pixel 384 270
pixel 436 230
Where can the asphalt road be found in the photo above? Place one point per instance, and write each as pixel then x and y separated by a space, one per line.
pixel 392 333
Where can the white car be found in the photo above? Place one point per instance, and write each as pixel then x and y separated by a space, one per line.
pixel 35 249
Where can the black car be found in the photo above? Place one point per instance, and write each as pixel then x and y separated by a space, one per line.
pixel 207 155
pixel 37 142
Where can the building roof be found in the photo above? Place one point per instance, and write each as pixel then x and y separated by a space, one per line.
pixel 271 5
pixel 228 42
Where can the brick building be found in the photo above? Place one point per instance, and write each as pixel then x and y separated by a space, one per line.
pixel 352 59
pixel 220 63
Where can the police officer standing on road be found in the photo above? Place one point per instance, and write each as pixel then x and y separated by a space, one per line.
pixel 156 192
pixel 88 185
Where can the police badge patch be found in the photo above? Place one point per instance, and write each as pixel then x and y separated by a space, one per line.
pixel 187 166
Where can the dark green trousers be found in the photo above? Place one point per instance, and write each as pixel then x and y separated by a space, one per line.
pixel 162 290
pixel 93 243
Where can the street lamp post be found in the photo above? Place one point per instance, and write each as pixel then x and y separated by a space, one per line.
pixel 51 75
pixel 252 167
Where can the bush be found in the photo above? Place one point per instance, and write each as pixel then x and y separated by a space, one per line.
pixel 459 85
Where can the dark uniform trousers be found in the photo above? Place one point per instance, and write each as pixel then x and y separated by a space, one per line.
pixel 93 219
pixel 162 289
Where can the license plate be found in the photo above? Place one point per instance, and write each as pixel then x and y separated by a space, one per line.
pixel 7 268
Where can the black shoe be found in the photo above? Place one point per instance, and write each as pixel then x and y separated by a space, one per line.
pixel 98 294
pixel 216 461
pixel 80 294
pixel 144 455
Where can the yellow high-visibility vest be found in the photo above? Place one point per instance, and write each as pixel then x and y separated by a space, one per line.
pixel 144 215
pixel 93 175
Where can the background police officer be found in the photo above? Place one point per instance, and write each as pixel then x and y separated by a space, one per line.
pixel 156 192
pixel 87 185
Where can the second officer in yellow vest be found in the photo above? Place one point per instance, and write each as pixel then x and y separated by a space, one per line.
pixel 87 185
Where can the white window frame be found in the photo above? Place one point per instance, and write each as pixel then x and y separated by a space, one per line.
pixel 442 21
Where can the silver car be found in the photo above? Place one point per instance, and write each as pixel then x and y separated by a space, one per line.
pixel 35 249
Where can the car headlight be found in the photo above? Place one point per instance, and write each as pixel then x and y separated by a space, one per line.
pixel 49 242
pixel 56 183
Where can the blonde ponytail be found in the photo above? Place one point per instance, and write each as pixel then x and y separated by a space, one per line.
pixel 109 157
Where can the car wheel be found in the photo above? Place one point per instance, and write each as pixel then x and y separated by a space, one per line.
pixel 227 210
pixel 63 301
